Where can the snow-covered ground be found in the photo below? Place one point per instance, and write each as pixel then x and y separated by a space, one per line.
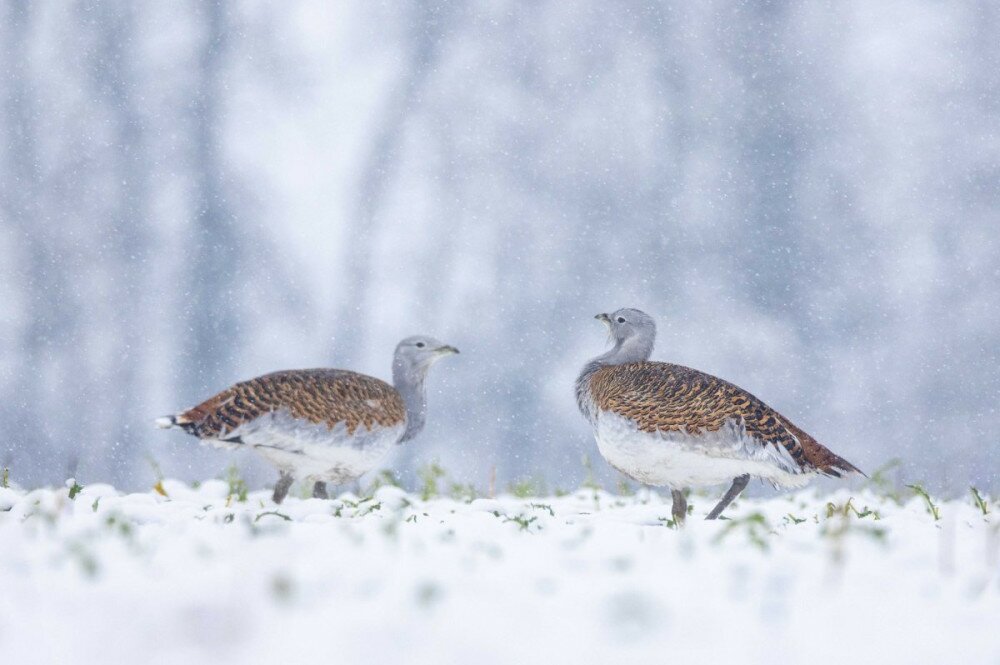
pixel 200 576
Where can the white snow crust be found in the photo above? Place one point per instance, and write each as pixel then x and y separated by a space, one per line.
pixel 198 576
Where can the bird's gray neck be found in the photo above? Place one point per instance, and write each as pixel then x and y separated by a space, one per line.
pixel 632 350
pixel 409 382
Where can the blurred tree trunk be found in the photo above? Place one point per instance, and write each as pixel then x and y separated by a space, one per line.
pixel 215 259
pixel 428 23
pixel 112 68
pixel 20 205
pixel 46 339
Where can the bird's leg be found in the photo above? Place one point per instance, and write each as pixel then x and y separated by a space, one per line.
pixel 739 483
pixel 680 508
pixel 319 490
pixel 281 487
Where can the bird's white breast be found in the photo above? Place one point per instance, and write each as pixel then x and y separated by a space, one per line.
pixel 679 459
pixel 314 451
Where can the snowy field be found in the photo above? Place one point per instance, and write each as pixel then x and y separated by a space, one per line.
pixel 197 575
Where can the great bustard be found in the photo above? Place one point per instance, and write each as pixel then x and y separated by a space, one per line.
pixel 319 425
pixel 673 426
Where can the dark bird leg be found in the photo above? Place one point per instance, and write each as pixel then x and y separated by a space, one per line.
pixel 739 483
pixel 281 487
pixel 319 490
pixel 680 507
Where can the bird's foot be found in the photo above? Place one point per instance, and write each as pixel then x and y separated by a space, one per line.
pixel 739 483
pixel 679 508
pixel 281 487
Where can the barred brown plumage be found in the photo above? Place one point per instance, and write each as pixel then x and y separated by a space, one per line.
pixel 662 397
pixel 671 425
pixel 318 396
pixel 319 424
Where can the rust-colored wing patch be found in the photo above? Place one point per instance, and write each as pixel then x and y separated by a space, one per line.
pixel 326 396
pixel 662 397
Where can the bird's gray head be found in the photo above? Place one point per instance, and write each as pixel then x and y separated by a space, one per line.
pixel 414 355
pixel 633 332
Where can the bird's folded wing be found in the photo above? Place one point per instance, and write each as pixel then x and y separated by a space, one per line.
pixel 318 396
pixel 663 397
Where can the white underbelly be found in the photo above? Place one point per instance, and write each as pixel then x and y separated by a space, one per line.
pixel 680 460
pixel 317 452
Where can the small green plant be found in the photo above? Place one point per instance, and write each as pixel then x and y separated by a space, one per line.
pixel 522 521
pixel 866 512
pixel 120 524
pixel 931 508
pixel 237 486
pixel 543 506
pixel 842 521
pixel 526 487
pixel 384 478
pixel 849 507
pixel 669 522
pixel 361 507
pixel 463 492
pixel 754 525
pixel 5 478
pixel 880 482
pixel 85 558
pixel 96 504
pixel 980 501
pixel 157 474
pixel 793 519
pixel 274 513
pixel 430 476
pixel 366 508
pixel 625 488
pixel 835 531
pixel 589 480
pixel 155 466
pixel 74 489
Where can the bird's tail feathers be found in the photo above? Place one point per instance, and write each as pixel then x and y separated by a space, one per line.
pixel 838 464
pixel 166 422
pixel 822 458
pixel 180 420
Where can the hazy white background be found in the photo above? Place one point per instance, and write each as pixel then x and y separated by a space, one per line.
pixel 805 196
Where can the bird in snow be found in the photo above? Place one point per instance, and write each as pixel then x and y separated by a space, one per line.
pixel 319 425
pixel 668 425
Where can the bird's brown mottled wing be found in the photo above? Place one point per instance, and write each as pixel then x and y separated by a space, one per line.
pixel 316 395
pixel 662 397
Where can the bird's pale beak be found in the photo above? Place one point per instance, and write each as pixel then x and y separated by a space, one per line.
pixel 446 350
pixel 604 318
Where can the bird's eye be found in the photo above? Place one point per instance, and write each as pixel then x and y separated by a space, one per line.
pixel 621 319
pixel 420 345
